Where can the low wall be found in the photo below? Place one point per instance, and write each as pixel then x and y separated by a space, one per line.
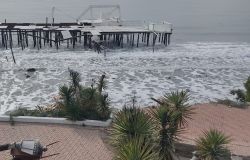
pixel 51 120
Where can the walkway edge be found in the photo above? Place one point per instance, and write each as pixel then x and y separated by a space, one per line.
pixel 51 120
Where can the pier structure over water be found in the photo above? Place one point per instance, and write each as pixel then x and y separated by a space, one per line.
pixel 96 33
pixel 38 35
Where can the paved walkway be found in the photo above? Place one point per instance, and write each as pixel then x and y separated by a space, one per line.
pixel 85 143
pixel 232 121
pixel 76 142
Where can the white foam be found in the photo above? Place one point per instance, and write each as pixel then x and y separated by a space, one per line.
pixel 208 70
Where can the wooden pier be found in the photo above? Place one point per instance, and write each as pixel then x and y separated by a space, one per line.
pixel 72 34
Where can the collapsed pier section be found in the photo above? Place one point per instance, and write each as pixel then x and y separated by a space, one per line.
pixel 86 34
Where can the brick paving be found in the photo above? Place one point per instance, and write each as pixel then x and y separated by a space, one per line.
pixel 85 143
pixel 233 122
pixel 76 142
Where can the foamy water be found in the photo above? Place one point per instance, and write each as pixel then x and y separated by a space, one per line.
pixel 208 70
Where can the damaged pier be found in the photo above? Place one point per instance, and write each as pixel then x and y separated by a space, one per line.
pixel 93 32
pixel 72 34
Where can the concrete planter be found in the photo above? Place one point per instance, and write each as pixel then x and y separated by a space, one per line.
pixel 51 120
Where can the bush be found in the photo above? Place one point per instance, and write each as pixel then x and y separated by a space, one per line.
pixel 158 126
pixel 80 102
pixel 212 145
pixel 39 111
pixel 76 102
pixel 231 103
pixel 241 95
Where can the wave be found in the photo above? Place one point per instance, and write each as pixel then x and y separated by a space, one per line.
pixel 209 70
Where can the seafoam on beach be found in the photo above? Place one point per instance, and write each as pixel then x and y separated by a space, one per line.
pixel 207 70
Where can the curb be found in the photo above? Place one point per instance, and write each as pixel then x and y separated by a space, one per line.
pixel 51 120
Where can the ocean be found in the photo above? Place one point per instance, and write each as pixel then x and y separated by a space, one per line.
pixel 209 53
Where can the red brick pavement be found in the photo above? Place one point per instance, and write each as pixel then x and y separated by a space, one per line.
pixel 84 143
pixel 233 122
pixel 76 142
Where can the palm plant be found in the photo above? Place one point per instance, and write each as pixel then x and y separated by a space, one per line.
pixel 69 104
pixel 137 149
pixel 103 106
pixel 166 132
pixel 212 145
pixel 81 102
pixel 131 135
pixel 161 127
pixel 129 123
pixel 178 103
pixel 171 117
pixel 103 99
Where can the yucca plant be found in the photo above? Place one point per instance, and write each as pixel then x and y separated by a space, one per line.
pixel 129 123
pixel 212 145
pixel 177 102
pixel 103 106
pixel 137 149
pixel 69 103
pixel 171 117
pixel 81 102
pixel 103 99
pixel 166 132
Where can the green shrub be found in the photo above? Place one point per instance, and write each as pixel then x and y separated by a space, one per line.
pixel 158 126
pixel 129 123
pixel 76 102
pixel 241 95
pixel 137 149
pixel 80 102
pixel 171 116
pixel 38 112
pixel 231 103
pixel 212 145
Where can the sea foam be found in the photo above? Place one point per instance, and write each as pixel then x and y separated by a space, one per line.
pixel 208 70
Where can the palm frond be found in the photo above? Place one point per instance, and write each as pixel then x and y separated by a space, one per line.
pixel 212 145
pixel 166 132
pixel 178 101
pixel 66 93
pixel 104 106
pixel 69 104
pixel 130 122
pixel 157 101
pixel 137 149
pixel 75 78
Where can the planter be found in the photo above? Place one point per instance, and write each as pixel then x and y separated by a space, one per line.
pixel 51 120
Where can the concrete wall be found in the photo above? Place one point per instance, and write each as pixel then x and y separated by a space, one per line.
pixel 51 120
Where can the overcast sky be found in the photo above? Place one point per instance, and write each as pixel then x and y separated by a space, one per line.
pixel 199 15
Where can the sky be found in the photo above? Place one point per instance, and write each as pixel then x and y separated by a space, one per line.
pixel 190 18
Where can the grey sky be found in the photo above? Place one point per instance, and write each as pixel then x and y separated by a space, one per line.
pixel 188 16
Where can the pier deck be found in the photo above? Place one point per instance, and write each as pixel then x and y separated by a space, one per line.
pixel 97 37
pixel 73 32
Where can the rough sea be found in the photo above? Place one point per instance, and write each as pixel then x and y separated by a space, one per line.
pixel 209 54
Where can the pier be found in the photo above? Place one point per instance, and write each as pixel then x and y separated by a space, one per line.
pixel 38 35
pixel 105 32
